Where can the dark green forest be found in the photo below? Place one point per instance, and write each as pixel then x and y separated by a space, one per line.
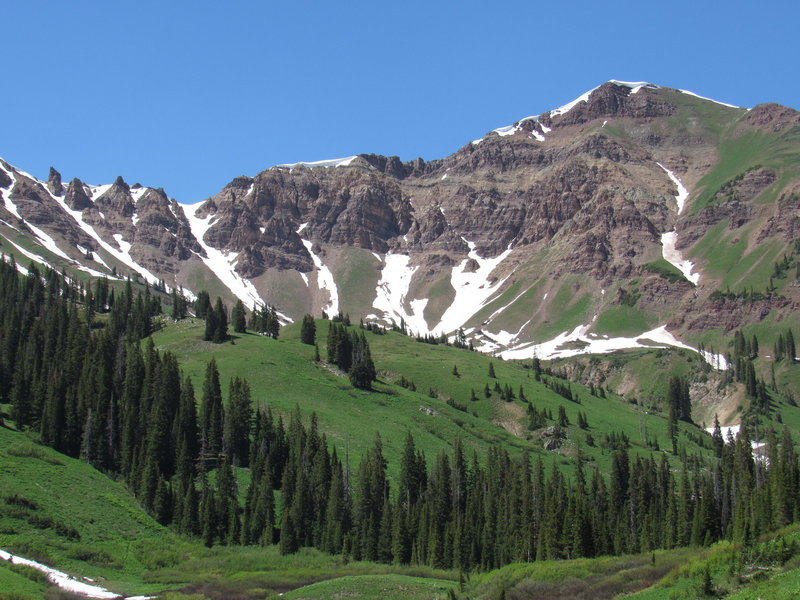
pixel 79 371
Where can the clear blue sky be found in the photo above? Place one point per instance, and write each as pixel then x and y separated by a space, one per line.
pixel 188 95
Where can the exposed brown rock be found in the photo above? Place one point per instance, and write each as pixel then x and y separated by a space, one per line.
pixel 54 182
pixel 76 197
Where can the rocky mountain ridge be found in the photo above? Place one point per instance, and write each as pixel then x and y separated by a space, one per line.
pixel 561 227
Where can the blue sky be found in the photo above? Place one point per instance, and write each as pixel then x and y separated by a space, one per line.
pixel 188 95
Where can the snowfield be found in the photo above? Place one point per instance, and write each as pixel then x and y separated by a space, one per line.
pixel 65 582
pixel 392 291
pixel 578 341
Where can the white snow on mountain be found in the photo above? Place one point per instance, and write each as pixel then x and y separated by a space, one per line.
pixel 333 162
pixel 709 99
pixel 325 280
pixel 221 264
pixel 669 239
pixel 683 193
pixel 391 295
pixel 512 129
pixel 9 204
pixel 472 289
pixel 634 85
pixel 48 242
pixel 578 341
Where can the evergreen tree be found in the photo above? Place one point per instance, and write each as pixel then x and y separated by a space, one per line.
pixel 211 415
pixel 308 330
pixel 202 305
pixel 238 318
pixel 220 332
pixel 238 422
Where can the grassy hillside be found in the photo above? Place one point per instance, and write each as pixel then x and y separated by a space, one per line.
pixel 64 513
pixel 283 374
pixel 767 569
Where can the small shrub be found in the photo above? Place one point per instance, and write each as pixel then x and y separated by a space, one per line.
pixel 17 500
pixel 94 556
pixel 31 451
pixel 27 572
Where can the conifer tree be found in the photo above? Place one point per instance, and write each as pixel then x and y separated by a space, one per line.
pixel 220 332
pixel 238 319
pixel 238 422
pixel 308 330
pixel 211 415
pixel 202 305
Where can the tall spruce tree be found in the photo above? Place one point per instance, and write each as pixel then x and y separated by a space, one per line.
pixel 238 423
pixel 308 330
pixel 211 416
pixel 238 317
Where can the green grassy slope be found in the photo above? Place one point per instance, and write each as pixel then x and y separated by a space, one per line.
pixel 768 569
pixel 283 374
pixel 63 513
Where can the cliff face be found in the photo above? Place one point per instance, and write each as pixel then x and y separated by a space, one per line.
pixel 536 228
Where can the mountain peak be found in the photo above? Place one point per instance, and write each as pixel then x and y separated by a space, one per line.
pixel 54 182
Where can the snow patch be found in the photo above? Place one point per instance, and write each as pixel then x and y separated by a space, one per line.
pixel 221 265
pixel 95 191
pixel 48 242
pixel 635 86
pixel 502 338
pixel 333 162
pixel 503 308
pixel 392 291
pixel 576 342
pixel 9 225
pixel 570 105
pixel 30 255
pixel 325 280
pixel 709 99
pixel 512 129
pixel 683 193
pixel 137 193
pixel 669 239
pixel 673 256
pixel 65 582
pixel 121 254
pixel 12 208
pixel 472 289
pixel 733 431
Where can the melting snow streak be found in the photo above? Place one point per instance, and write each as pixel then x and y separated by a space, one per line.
pixel 669 239
pixel 325 280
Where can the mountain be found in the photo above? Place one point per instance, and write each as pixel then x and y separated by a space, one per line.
pixel 635 215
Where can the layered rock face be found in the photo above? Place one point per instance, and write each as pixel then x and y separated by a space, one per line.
pixel 566 210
